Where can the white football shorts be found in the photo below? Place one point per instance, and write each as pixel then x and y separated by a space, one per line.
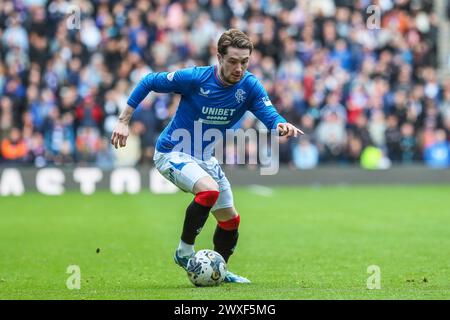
pixel 184 170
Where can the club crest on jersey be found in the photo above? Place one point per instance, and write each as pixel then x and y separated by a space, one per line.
pixel 240 95
pixel 204 92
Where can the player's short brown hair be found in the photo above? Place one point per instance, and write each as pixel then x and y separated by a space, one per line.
pixel 233 38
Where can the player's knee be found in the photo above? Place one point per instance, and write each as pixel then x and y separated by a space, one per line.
pixel 231 224
pixel 207 198
pixel 205 184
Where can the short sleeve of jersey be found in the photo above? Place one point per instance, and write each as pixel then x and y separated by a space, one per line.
pixel 262 108
pixel 164 82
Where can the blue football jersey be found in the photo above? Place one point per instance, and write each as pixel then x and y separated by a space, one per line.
pixel 207 101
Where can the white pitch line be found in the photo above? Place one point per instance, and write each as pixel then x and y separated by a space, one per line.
pixel 261 190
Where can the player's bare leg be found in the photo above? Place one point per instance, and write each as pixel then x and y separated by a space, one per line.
pixel 226 237
pixel 206 192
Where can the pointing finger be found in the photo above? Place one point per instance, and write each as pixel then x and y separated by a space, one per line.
pixel 291 130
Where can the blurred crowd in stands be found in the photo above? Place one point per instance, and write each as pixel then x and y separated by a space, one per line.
pixel 364 90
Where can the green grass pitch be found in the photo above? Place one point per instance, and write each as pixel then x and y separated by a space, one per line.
pixel 296 243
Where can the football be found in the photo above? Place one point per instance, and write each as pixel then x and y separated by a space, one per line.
pixel 206 268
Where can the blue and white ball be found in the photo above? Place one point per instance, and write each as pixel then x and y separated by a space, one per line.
pixel 206 268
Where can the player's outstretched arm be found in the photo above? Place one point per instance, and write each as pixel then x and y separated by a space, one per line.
pixel 288 130
pixel 121 131
pixel 164 82
pixel 262 108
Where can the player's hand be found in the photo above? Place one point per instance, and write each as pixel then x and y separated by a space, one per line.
pixel 120 135
pixel 288 130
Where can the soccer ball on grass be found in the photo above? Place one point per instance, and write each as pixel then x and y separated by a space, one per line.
pixel 206 268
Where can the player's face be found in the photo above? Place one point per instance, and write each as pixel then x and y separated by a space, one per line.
pixel 233 64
